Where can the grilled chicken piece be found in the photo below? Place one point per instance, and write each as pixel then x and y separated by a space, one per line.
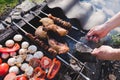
pixel 59 47
pixel 40 32
pixel 49 25
pixel 57 29
pixel 46 21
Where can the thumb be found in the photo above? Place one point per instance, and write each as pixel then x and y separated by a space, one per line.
pixel 94 52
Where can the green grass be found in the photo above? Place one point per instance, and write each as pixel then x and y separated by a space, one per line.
pixel 7 4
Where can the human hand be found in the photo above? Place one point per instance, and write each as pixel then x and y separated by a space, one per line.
pixel 105 53
pixel 97 32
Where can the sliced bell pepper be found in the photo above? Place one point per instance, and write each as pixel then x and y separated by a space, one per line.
pixel 13 49
pixel 39 73
pixel 45 62
pixel 53 70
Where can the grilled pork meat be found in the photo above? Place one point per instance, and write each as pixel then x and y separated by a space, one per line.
pixel 50 26
pixel 64 24
pixel 46 21
pixel 40 32
pixel 61 48
pixel 60 31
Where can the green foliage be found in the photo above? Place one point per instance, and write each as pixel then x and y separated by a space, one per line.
pixel 7 4
pixel 116 40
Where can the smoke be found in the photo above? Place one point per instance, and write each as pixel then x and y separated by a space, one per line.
pixel 110 7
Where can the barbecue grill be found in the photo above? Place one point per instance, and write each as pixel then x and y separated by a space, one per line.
pixel 27 22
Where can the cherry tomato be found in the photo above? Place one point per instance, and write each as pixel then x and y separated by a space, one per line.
pixel 4 67
pixel 38 79
pixel 10 76
pixel 0 60
pixel 22 78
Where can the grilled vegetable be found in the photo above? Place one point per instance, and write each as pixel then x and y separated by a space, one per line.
pixel 13 49
pixel 24 45
pixel 18 37
pixel 4 67
pixel 24 66
pixel 45 62
pixel 9 43
pixel 39 73
pixel 4 55
pixel 21 77
pixel 0 60
pixel 54 69
pixel 11 61
pixel 14 69
pixel 38 54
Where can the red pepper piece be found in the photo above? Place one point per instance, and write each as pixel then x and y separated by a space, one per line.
pixel 13 49
pixel 39 73
pixel 38 79
pixel 54 69
pixel 45 62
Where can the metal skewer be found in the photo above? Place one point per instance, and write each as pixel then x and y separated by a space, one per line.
pixel 47 14
pixel 28 23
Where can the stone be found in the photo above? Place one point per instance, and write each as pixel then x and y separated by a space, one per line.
pixel 8 20
pixel 2 27
pixel 26 5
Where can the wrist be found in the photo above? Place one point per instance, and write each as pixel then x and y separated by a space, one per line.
pixel 117 54
pixel 107 27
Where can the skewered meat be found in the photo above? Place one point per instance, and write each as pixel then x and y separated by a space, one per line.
pixel 40 32
pixel 59 47
pixel 57 29
pixel 49 25
pixel 41 43
pixel 65 24
pixel 46 21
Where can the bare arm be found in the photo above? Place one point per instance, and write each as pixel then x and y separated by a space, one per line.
pixel 100 31
pixel 106 53
pixel 113 22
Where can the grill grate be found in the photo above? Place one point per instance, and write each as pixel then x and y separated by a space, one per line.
pixel 67 70
pixel 80 64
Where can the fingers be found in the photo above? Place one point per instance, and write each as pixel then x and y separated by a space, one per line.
pixel 94 38
pixel 95 52
pixel 90 33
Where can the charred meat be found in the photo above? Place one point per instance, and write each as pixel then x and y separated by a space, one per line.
pixel 40 32
pixel 61 48
pixel 64 24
